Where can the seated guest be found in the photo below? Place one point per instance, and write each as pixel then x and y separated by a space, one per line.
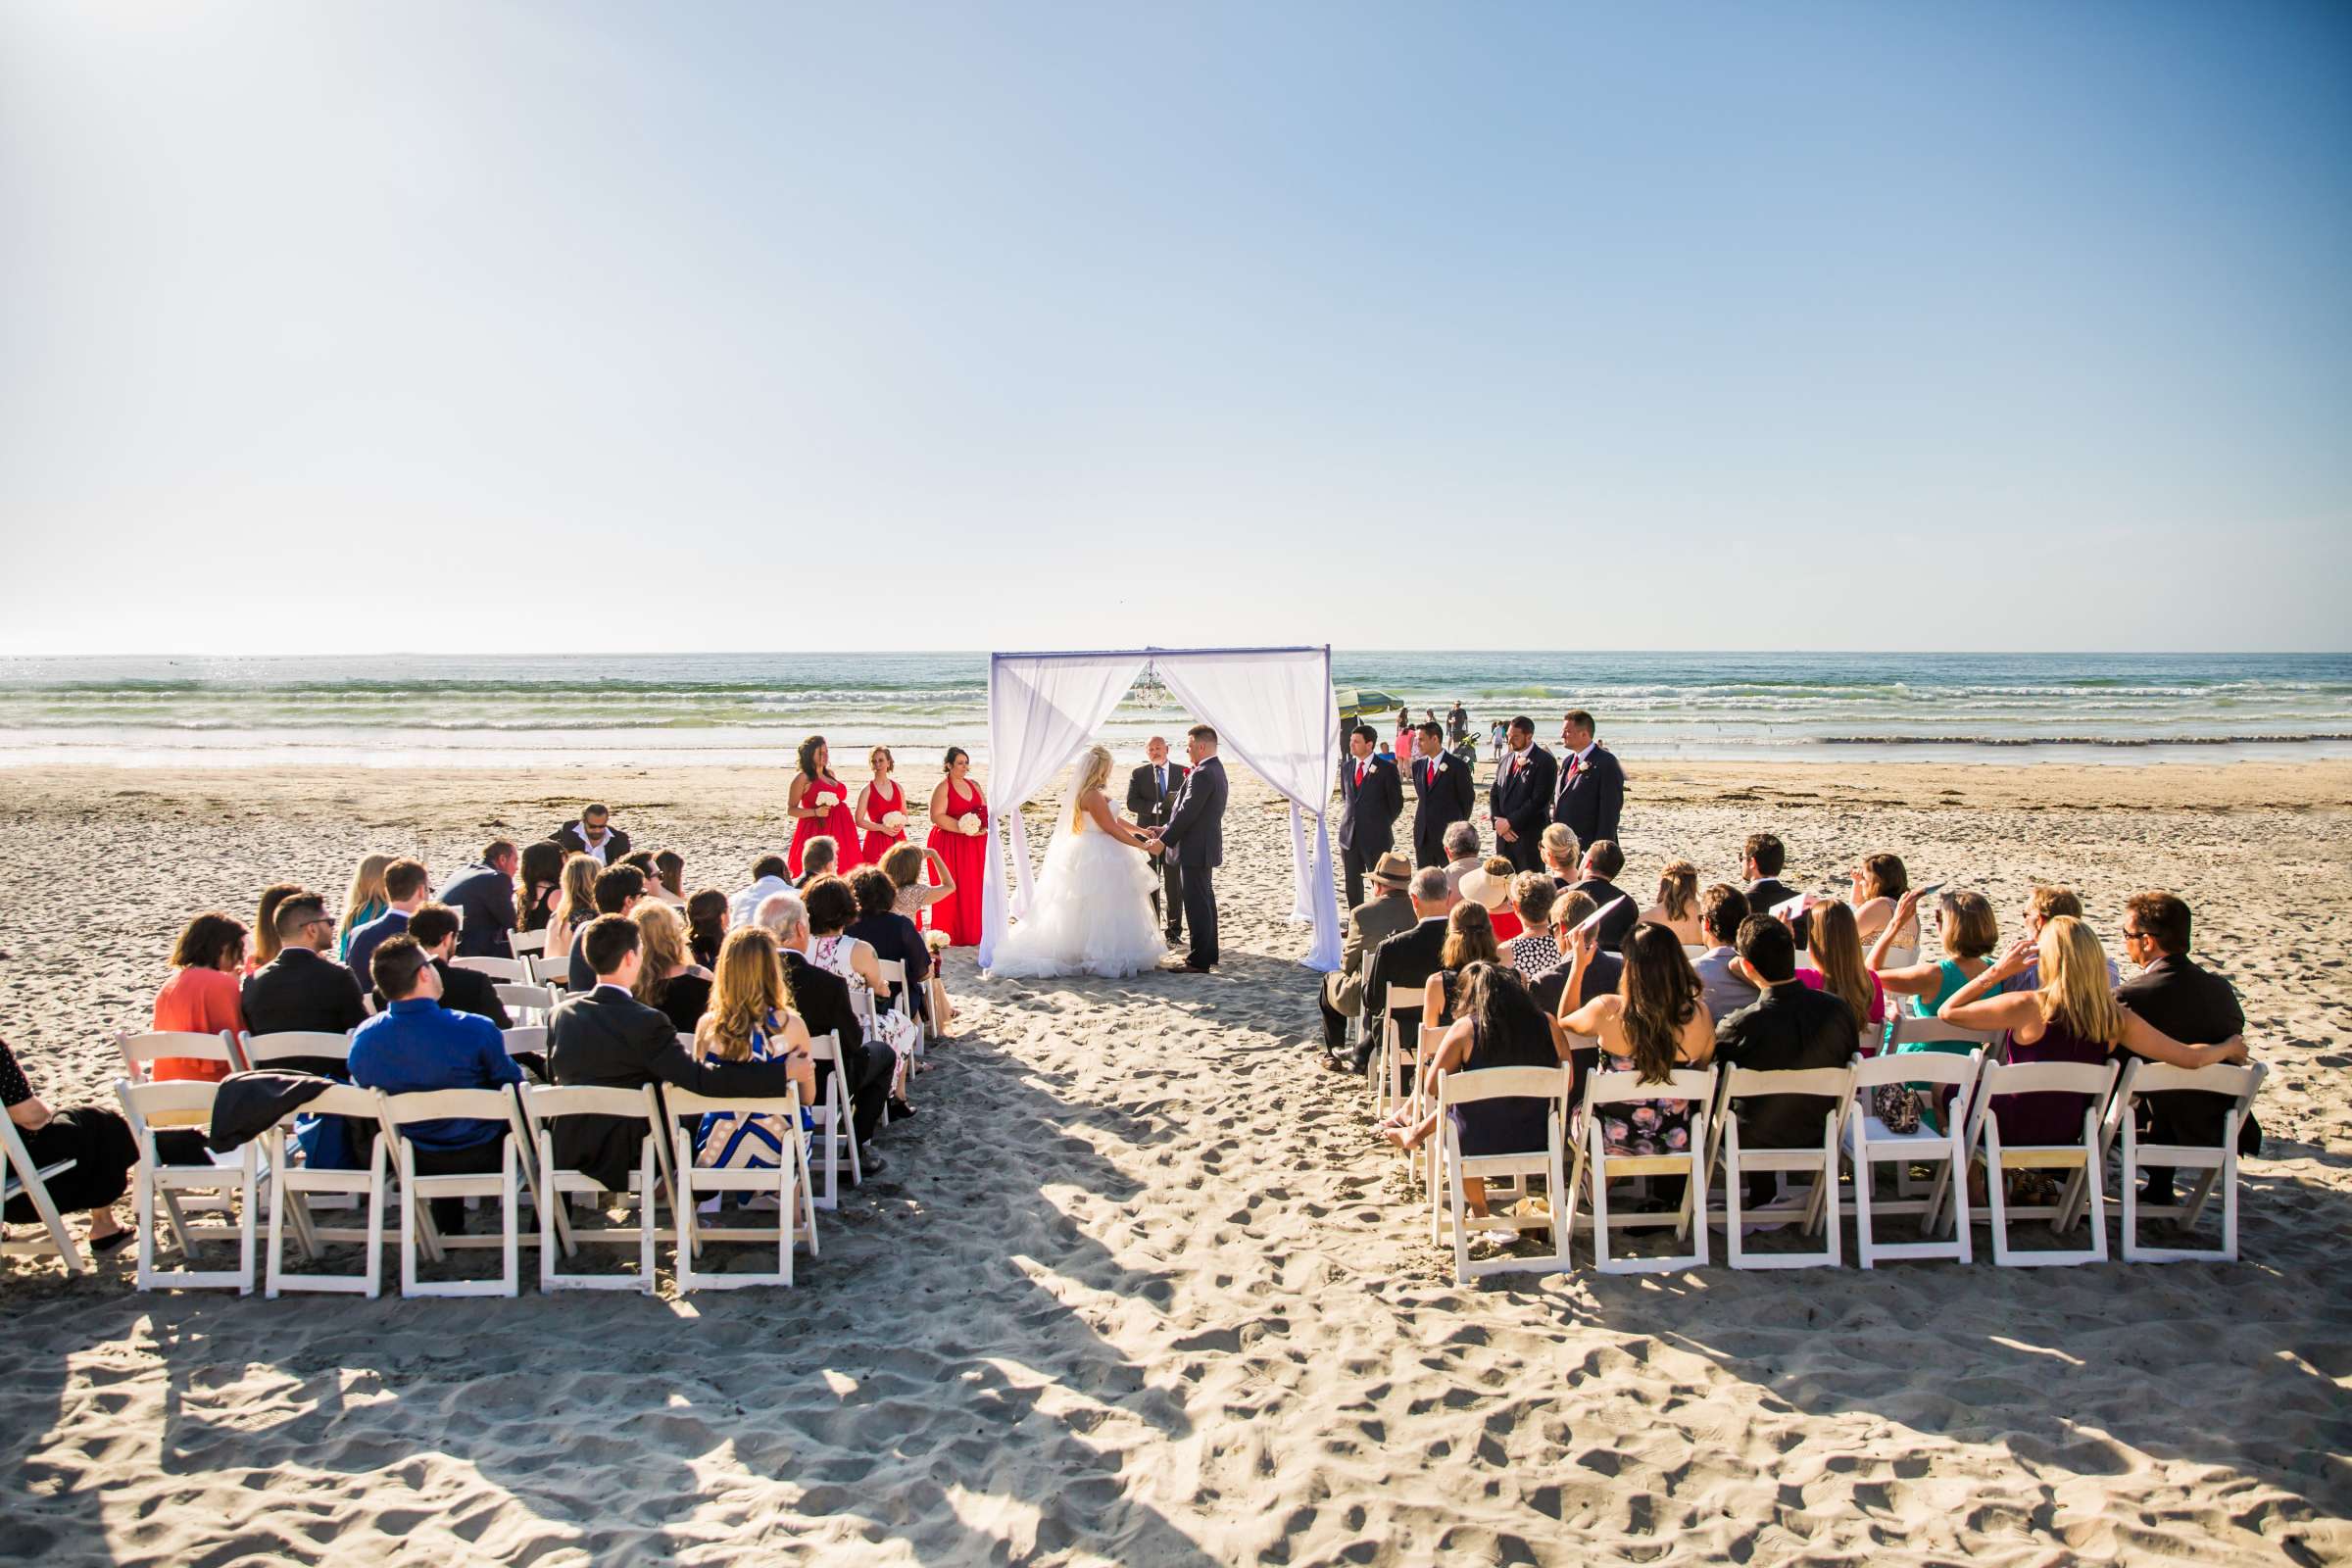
pixel 1387 912
pixel 484 894
pixel 822 1000
pixel 466 991
pixel 1651 1025
pixel 537 885
pixel 617 890
pixel 1602 862
pixel 1837 968
pixel 1550 988
pixel 1966 933
pixel 1469 939
pixel 819 857
pixel 1561 856
pixel 593 834
pixel 264 945
pixel 1677 908
pixel 302 990
pixel 2191 1004
pixel 406 887
pixel 2072 1017
pixel 1879 881
pixel 2043 905
pixel 202 996
pixel 95 1144
pixel 1786 1029
pixel 768 878
pixel 607 1038
pixel 362 903
pixel 1461 855
pixel 669 878
pixel 1489 888
pixel 893 937
pixel 707 925
pixel 751 1019
pixel 1726 989
pixel 1533 950
pixel 831 907
pixel 575 904
pixel 417 1045
pixel 1762 860
pixel 1407 958
pixel 1500 1026
pixel 668 978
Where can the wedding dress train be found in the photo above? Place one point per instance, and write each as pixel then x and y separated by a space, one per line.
pixel 1092 913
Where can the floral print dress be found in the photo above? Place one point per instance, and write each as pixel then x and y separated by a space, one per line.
pixel 1642 1127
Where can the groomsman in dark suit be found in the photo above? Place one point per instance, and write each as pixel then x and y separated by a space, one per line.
pixel 1151 792
pixel 1371 798
pixel 1442 792
pixel 1520 798
pixel 1591 792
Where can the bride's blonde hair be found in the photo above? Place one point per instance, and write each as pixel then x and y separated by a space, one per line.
pixel 1094 773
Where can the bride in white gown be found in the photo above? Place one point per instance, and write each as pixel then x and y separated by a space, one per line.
pixel 1091 914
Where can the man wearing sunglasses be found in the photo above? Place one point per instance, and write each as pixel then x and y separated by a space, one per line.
pixel 299 990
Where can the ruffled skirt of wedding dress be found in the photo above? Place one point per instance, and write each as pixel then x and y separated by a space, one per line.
pixel 1091 914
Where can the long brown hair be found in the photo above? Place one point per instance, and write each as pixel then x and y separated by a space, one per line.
pixel 1837 954
pixel 748 991
pixel 1469 938
pixel 266 943
pixel 1661 993
pixel 575 904
pixel 366 887
pixel 662 937
pixel 808 759
pixel 1678 890
pixel 2074 989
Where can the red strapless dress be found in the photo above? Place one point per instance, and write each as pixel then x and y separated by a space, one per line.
pixel 966 857
pixel 837 823
pixel 881 841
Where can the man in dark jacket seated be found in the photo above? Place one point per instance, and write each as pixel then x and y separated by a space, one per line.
pixel 435 928
pixel 1789 1028
pixel 299 991
pixel 609 1039
pixel 822 1000
pixel 484 893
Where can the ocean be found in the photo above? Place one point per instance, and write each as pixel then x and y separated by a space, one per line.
pixel 454 710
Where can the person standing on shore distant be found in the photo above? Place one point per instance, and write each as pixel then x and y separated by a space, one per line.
pixel 1441 795
pixel 819 806
pixel 959 819
pixel 1591 786
pixel 1457 723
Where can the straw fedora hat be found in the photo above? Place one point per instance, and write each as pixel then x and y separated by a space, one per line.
pixel 1394 872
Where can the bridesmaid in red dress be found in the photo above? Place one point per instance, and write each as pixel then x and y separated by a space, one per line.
pixel 819 803
pixel 964 853
pixel 880 798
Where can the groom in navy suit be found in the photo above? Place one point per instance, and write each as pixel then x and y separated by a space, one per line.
pixel 1194 838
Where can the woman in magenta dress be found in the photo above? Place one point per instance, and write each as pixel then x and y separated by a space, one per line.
pixel 880 800
pixel 965 856
pixel 819 803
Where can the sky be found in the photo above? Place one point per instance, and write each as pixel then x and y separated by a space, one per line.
pixel 538 328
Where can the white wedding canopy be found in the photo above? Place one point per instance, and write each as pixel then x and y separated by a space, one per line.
pixel 1272 708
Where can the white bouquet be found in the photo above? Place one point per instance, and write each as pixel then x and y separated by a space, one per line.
pixel 895 821
pixel 968 823
pixel 936 941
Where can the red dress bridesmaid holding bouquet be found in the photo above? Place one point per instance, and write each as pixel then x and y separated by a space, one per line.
pixel 819 805
pixel 959 818
pixel 881 808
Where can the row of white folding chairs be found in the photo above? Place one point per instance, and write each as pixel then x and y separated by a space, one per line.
pixel 1853 1135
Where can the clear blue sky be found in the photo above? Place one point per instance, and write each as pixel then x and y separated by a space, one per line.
pixel 485 327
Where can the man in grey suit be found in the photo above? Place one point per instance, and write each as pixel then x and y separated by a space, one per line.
pixel 1195 838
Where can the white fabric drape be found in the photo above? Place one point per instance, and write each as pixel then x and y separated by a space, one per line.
pixel 1042 709
pixel 1273 710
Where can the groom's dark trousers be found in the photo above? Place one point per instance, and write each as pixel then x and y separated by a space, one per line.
pixel 1201 911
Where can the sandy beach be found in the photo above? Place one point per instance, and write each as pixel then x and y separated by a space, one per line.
pixel 1139 1287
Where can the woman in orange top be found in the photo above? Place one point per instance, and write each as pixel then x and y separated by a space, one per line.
pixel 201 995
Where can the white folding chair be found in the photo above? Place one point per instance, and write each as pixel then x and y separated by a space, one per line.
pixel 834 1129
pixel 1390 1056
pixel 650 1184
pixel 529 1003
pixel 1820 1208
pixel 417 1226
pixel 1597 1167
pixel 1901 958
pixel 293 1185
pixel 1905 1030
pixel 141 1051
pixel 1421 1165
pixel 531 1042
pixel 1695 950
pixel 788 1180
pixel 178 1105
pixel 2218 1163
pixel 528 943
pixel 270 1050
pixel 901 999
pixel 24 1180
pixel 506 971
pixel 1870 1143
pixel 1453 1169
pixel 2092 1081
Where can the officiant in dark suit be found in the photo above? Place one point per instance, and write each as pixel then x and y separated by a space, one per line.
pixel 1152 791
pixel 1371 798
pixel 1442 791
pixel 1520 797
pixel 1591 792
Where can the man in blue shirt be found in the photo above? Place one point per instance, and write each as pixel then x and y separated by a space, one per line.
pixel 417 1045
pixel 405 888
pixel 484 893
